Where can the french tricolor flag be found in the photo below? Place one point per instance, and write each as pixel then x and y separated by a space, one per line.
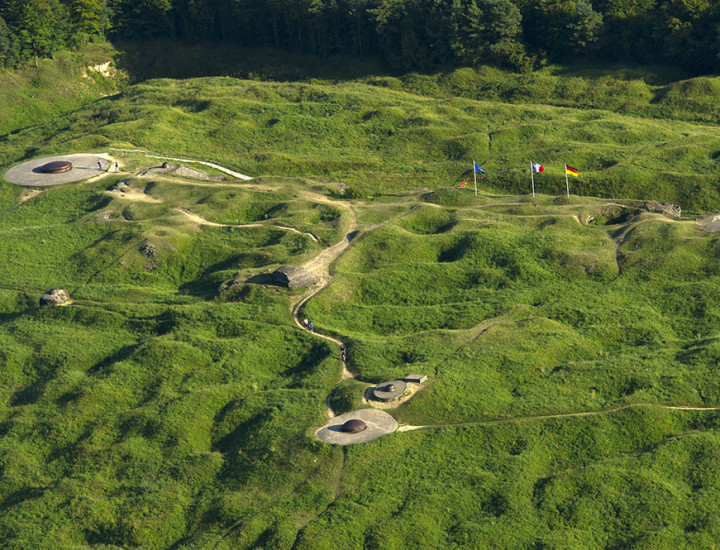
pixel 537 167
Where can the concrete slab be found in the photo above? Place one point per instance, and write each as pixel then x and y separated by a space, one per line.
pixel 379 423
pixel 389 391
pixel 29 174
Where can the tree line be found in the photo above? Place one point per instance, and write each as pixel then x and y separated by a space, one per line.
pixel 408 34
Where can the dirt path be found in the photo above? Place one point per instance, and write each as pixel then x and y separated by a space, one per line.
pixel 227 171
pixel 408 427
pixel 202 221
pixel 320 266
pixel 203 183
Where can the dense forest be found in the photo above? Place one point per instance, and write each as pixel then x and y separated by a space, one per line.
pixel 408 34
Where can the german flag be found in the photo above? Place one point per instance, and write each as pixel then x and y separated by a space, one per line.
pixel 571 171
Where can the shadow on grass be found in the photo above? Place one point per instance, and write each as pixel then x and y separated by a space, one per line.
pixel 241 447
pixel 29 394
pixel 309 362
pixel 11 316
pixel 121 355
pixel 20 496
pixel 168 59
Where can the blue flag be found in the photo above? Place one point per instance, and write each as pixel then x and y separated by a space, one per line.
pixel 477 168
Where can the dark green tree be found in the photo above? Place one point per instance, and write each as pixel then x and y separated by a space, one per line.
pixel 628 30
pixel 489 31
pixel 688 32
pixel 4 43
pixel 141 18
pixel 399 25
pixel 89 20
pixel 564 28
pixel 42 27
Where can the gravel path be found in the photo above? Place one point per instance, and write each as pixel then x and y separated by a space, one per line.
pixel 202 221
pixel 227 171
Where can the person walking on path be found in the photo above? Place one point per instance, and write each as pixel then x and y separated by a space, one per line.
pixel 99 165
pixel 310 327
pixel 117 166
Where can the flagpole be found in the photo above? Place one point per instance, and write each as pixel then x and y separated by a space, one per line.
pixel 532 178
pixel 567 185
pixel 475 177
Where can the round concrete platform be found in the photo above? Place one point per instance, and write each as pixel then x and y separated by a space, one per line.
pixel 379 423
pixel 30 173
pixel 389 391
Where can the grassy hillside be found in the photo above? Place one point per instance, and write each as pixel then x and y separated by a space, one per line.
pixel 72 79
pixel 647 91
pixel 523 309
pixel 155 411
pixel 126 410
pixel 379 140
pixel 571 344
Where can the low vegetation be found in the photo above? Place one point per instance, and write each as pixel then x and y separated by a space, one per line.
pixel 33 96
pixel 377 140
pixel 571 343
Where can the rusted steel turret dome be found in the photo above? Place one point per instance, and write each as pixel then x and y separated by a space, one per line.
pixel 354 426
pixel 57 167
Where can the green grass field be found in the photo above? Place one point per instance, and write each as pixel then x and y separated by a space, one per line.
pixel 58 86
pixel 571 344
pixel 379 140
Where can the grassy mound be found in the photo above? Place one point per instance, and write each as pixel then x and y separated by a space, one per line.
pixel 380 140
pixel 58 86
pixel 517 307
pixel 173 403
pixel 157 410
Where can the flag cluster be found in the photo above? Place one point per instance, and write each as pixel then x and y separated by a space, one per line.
pixel 535 168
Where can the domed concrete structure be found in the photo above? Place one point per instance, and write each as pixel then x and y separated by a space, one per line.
pixel 389 391
pixel 57 170
pixel 57 167
pixel 354 426
pixel 376 424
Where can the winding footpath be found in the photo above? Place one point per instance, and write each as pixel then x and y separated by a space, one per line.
pixel 408 428
pixel 320 266
pixel 202 221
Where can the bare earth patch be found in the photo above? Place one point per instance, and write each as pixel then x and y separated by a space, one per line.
pixel 28 195
pixel 104 69
pixel 710 224
pixel 202 221
pixel 132 194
